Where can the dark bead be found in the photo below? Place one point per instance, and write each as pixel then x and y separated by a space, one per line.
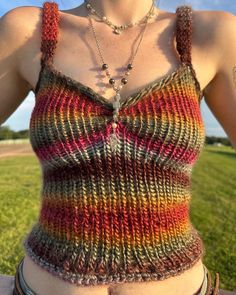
pixel 130 66
pixel 124 80
pixel 111 81
pixel 105 66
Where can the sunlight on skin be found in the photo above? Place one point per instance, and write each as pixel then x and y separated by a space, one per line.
pixel 234 75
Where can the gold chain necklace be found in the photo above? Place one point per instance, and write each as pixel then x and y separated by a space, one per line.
pixel 116 28
pixel 116 103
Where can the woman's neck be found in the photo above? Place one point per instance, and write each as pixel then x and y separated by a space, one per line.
pixel 121 12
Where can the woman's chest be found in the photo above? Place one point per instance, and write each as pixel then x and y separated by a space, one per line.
pixel 161 122
pixel 157 57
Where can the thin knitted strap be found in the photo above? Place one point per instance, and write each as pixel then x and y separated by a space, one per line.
pixel 50 23
pixel 184 32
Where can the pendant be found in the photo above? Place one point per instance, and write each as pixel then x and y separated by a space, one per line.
pixel 113 138
pixel 117 31
pixel 116 104
pixel 113 141
pixel 117 96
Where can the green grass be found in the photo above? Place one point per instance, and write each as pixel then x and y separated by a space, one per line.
pixel 213 209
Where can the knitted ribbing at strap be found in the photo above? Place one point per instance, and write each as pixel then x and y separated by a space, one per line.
pixel 114 217
pixel 49 31
pixel 184 32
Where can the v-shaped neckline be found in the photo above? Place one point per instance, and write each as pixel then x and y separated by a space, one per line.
pixel 149 87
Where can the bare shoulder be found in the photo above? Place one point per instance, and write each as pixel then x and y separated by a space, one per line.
pixel 216 18
pixel 212 28
pixel 20 29
pixel 215 32
pixel 224 32
pixel 20 22
pixel 220 92
pixel 17 27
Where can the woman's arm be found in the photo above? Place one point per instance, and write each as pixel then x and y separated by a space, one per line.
pixel 13 88
pixel 220 93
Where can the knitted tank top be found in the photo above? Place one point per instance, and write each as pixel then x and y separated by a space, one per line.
pixel 110 217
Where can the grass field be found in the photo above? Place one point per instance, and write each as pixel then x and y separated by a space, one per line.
pixel 213 208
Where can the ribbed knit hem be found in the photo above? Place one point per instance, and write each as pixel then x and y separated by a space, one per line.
pixel 171 262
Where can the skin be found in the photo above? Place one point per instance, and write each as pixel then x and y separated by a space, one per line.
pixel 213 58
pixel 234 75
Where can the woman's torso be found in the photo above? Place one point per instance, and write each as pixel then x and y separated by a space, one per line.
pixel 156 58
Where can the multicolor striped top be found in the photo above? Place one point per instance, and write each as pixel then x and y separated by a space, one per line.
pixel 116 217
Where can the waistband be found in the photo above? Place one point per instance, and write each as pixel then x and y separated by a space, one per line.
pixel 212 289
pixel 22 288
pixel 203 288
pixel 20 285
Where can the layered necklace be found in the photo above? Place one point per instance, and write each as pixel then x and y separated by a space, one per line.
pixel 117 30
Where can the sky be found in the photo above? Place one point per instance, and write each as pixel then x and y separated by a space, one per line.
pixel 19 120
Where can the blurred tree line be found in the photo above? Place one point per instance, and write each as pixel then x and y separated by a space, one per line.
pixel 219 140
pixel 7 133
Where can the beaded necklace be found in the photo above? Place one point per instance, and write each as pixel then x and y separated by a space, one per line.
pixel 116 28
pixel 116 102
